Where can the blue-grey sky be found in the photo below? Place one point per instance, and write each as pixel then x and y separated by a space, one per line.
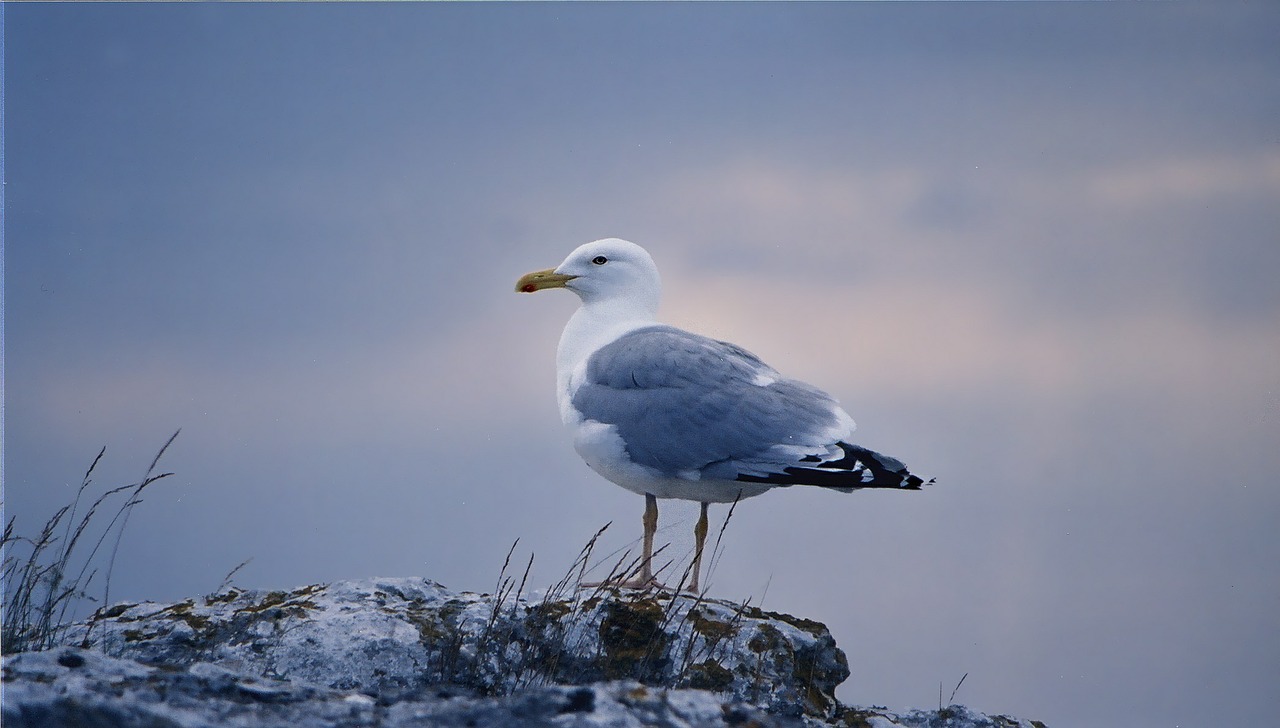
pixel 1032 248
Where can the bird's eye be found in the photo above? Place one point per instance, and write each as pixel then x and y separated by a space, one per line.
pixel 599 260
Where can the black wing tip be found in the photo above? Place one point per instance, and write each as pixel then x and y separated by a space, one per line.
pixel 843 480
pixel 858 468
pixel 915 482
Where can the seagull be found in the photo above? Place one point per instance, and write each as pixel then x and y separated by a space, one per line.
pixel 666 413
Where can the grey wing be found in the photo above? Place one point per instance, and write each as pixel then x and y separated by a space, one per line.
pixel 689 405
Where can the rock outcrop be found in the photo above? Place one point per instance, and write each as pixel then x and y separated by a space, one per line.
pixel 408 652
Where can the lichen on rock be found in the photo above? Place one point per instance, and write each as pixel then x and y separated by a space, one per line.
pixel 384 636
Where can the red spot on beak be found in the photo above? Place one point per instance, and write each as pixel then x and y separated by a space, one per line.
pixel 529 288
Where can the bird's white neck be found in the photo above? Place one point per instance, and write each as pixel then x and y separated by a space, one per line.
pixel 593 325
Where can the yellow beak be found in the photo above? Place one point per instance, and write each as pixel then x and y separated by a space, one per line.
pixel 540 279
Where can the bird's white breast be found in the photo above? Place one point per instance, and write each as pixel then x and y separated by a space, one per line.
pixel 590 327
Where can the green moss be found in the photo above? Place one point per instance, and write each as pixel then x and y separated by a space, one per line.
pixel 708 675
pixel 183 611
pixel 805 672
pixel 435 624
pixel 816 701
pixel 551 610
pixel 633 640
pixel 272 599
pixel 767 638
pixel 855 718
pixel 714 630
pixel 115 611
pixel 431 627
pixel 546 615
pixel 817 629
pixel 451 609
pixel 291 604
pixel 229 595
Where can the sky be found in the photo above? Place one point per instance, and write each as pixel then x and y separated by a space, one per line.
pixel 1032 248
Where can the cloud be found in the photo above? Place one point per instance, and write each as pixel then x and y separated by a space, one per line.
pixel 1185 181
pixel 842 208
pixel 466 376
pixel 913 339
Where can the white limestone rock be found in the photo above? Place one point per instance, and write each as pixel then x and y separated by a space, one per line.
pixel 388 636
pixel 396 653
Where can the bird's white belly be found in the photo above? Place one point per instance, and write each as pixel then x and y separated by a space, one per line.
pixel 605 452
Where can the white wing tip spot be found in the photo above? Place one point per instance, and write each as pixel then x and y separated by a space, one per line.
pixel 763 379
pixel 866 474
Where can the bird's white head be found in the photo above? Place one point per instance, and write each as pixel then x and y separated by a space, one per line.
pixel 603 270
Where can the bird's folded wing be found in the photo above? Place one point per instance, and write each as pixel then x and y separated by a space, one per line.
pixel 689 406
